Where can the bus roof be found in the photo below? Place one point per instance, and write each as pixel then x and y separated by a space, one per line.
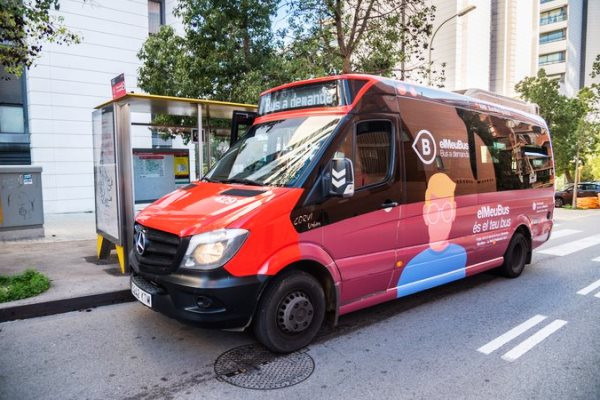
pixel 412 90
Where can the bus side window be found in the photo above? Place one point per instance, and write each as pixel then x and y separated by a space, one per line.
pixel 373 152
pixel 519 153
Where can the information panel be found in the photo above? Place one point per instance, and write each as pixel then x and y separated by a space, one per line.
pixel 157 172
pixel 105 174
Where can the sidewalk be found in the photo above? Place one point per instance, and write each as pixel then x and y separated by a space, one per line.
pixel 67 255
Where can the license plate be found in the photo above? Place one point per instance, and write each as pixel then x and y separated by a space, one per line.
pixel 144 297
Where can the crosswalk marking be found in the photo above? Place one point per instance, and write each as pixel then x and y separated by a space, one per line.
pixel 562 233
pixel 510 335
pixel 589 288
pixel 533 340
pixel 572 247
pixel 597 259
pixel 597 295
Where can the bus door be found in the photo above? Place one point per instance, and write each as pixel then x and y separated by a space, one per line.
pixel 362 235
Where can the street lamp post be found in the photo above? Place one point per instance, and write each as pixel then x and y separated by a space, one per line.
pixel 462 12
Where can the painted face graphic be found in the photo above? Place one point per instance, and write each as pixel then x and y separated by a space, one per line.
pixel 442 261
pixel 439 214
pixel 439 210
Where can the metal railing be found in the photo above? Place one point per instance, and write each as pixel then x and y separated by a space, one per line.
pixel 553 18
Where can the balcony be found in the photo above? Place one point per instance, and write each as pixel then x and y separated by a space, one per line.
pixel 551 58
pixel 553 19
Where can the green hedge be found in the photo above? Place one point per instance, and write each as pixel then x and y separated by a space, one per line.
pixel 29 283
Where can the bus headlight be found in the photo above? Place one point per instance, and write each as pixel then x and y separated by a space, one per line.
pixel 213 249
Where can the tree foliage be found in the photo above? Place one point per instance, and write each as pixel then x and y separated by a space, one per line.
pixel 573 122
pixel 596 67
pixel 230 51
pixel 382 37
pixel 24 27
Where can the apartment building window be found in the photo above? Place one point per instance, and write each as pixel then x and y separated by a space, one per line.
pixel 553 36
pixel 557 77
pixel 552 16
pixel 14 135
pixel 552 58
pixel 156 15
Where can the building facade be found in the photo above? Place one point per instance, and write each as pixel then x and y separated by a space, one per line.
pixel 46 116
pixel 568 41
pixel 503 41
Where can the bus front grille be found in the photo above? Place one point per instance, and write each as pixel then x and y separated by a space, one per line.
pixel 157 252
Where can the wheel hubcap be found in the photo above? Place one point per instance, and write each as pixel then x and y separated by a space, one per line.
pixel 295 313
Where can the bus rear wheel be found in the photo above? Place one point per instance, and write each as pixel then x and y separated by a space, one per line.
pixel 515 256
pixel 290 312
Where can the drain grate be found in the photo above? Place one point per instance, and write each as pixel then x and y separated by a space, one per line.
pixel 254 367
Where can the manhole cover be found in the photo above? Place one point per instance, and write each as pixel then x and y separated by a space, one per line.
pixel 254 367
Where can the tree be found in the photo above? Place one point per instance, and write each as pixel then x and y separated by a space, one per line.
pixel 230 52
pixel 383 37
pixel 24 27
pixel 226 54
pixel 572 121
pixel 596 67
pixel 163 69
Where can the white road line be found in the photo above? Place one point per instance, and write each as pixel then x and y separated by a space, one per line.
pixel 572 246
pixel 510 335
pixel 562 233
pixel 589 288
pixel 534 339
pixel 597 259
pixel 597 295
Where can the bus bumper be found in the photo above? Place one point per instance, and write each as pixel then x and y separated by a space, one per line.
pixel 213 299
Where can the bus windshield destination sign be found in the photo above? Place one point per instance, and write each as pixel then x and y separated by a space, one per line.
pixel 315 95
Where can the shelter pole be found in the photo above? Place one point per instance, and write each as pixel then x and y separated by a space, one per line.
pixel 199 145
pixel 208 138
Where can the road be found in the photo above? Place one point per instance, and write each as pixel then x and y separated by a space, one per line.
pixel 485 337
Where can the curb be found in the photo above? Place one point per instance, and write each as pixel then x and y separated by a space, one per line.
pixel 64 305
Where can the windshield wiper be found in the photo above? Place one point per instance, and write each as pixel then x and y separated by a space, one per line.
pixel 244 181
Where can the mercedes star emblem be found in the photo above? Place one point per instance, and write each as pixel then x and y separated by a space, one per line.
pixel 140 243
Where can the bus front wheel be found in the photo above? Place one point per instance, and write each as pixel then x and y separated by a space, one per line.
pixel 290 312
pixel 515 256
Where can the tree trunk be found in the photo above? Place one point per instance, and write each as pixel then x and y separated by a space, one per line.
pixel 568 176
pixel 577 178
pixel 347 68
pixel 403 42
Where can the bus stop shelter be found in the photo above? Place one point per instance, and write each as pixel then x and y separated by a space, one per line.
pixel 113 156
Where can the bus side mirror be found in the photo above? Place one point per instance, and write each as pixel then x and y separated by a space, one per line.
pixel 338 178
pixel 238 118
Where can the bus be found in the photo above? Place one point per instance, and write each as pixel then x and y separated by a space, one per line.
pixel 345 192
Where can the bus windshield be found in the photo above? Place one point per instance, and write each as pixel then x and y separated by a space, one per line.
pixel 274 153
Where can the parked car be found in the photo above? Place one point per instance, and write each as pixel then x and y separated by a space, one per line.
pixel 584 189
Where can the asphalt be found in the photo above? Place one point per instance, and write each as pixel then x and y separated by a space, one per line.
pixel 420 347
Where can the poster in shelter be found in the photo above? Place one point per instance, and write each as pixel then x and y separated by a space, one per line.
pixel 105 174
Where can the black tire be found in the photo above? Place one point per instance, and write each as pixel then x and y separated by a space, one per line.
pixel 558 202
pixel 294 294
pixel 515 256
